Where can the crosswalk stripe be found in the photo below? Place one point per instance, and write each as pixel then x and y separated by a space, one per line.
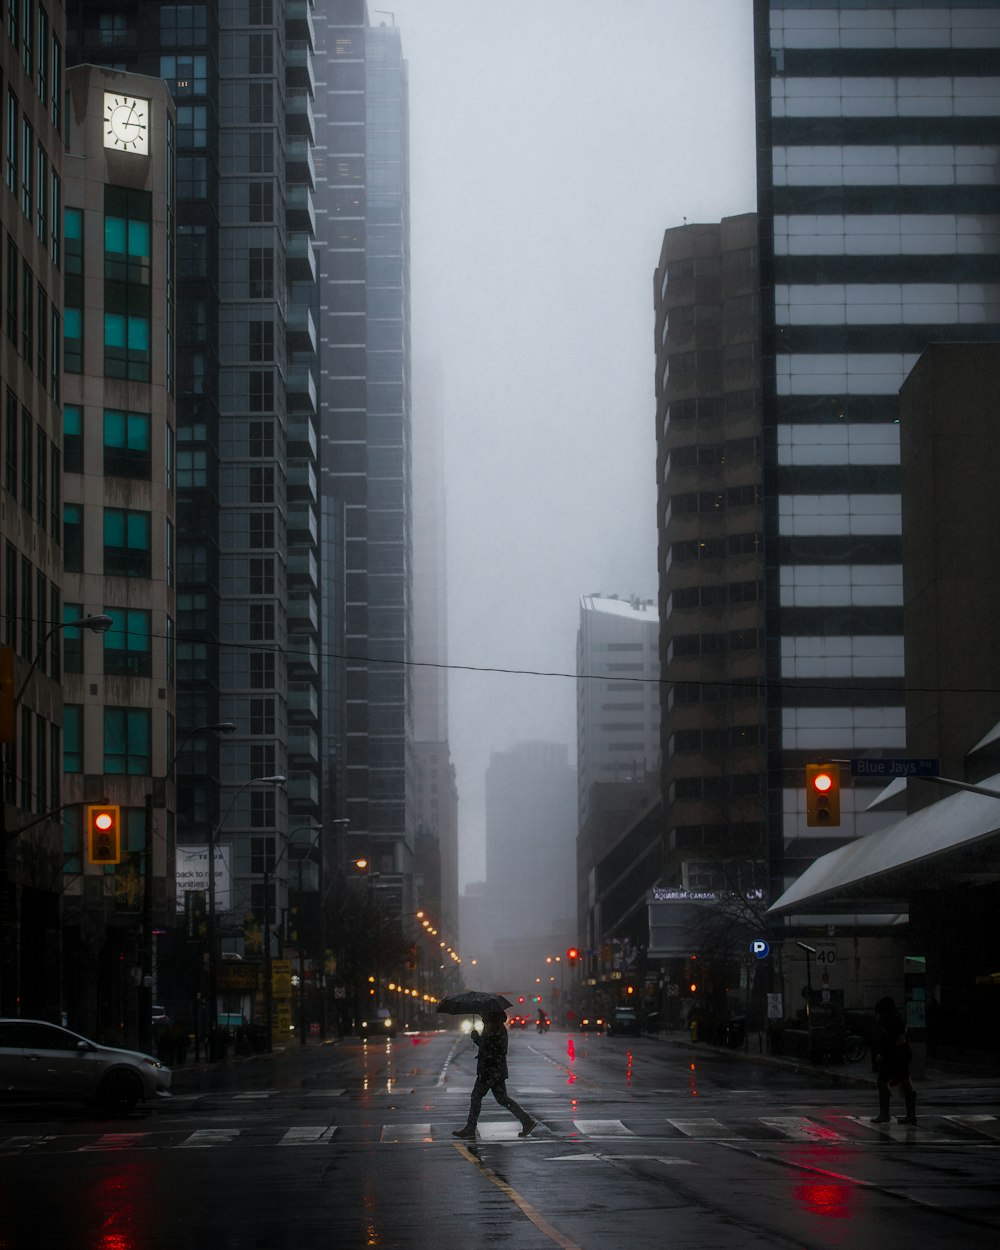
pixel 309 1135
pixel 498 1130
pixel 405 1132
pixel 25 1142
pixel 256 1095
pixel 603 1128
pixel 798 1128
pixel 988 1125
pixel 325 1093
pixel 116 1141
pixel 705 1128
pixel 205 1137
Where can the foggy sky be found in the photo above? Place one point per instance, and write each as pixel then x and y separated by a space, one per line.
pixel 552 142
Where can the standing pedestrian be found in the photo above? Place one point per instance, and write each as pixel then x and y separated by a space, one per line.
pixel 491 1075
pixel 892 1062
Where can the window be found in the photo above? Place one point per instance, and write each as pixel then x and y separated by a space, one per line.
pixel 183 24
pixel 261 13
pixel 72 737
pixel 261 530
pixel 261 340
pixel 127 734
pixel 73 438
pixel 112 29
pixel 192 251
pixel 261 102
pixel 10 596
pixel 260 57
pixel 126 250
pixel 12 115
pixel 127 444
pixel 126 347
pixel 27 167
pixel 43 56
pixel 261 440
pixel 56 85
pixel 41 201
pixel 192 467
pixel 12 289
pixel 72 538
pixel 261 622
pixel 27 462
pixel 261 202
pixel 41 478
pixel 41 335
pixel 27 608
pixel 127 644
pixel 72 639
pixel 10 445
pixel 261 575
pixel 55 495
pixel 261 153
pixel 126 543
pixel 261 484
pixel 262 721
pixel 261 273
pixel 27 314
pixel 261 390
pixel 262 670
pixel 169 565
pixel 185 75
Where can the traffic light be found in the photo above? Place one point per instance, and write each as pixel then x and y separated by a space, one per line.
pixel 104 834
pixel 572 955
pixel 822 795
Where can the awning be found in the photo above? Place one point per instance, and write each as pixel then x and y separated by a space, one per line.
pixel 962 822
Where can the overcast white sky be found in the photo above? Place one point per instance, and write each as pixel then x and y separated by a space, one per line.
pixel 552 142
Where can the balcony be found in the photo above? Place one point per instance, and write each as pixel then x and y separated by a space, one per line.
pixel 303 613
pixel 299 21
pixel 300 329
pixel 303 743
pixel 300 121
pixel 301 482
pixel 303 658
pixel 302 789
pixel 303 700
pixel 300 257
pixel 299 68
pixel 300 167
pixel 303 571
pixel 300 213
pixel 300 389
pixel 302 524
pixel 301 436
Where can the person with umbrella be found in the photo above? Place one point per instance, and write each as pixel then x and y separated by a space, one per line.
pixel 491 1068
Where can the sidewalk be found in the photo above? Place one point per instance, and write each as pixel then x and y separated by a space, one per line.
pixel 937 1076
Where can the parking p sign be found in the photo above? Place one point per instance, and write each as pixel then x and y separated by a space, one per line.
pixel 759 948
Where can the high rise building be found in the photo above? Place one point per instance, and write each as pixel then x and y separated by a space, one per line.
pixel 248 623
pixel 710 554
pixel 119 534
pixel 530 861
pixel 362 163
pixel 31 71
pixel 879 233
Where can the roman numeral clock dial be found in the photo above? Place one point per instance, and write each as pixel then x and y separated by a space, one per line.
pixel 126 123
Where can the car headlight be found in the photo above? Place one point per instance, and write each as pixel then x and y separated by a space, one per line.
pixel 153 1063
pixel 387 1023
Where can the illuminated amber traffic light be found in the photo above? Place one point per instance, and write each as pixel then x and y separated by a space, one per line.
pixel 822 794
pixel 104 834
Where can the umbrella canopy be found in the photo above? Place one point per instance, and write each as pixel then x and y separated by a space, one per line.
pixel 472 1003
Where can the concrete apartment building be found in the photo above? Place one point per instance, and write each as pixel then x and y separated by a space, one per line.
pixel 710 555
pixel 119 531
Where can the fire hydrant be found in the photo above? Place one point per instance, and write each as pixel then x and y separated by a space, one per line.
pixel 693 1026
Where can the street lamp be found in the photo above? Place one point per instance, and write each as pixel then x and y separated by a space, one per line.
pixel 10 701
pixel 277 780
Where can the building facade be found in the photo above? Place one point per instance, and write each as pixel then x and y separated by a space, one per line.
pixel 710 554
pixel 31 72
pixel 879 233
pixel 119 530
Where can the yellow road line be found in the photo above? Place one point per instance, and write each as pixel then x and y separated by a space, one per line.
pixel 539 1221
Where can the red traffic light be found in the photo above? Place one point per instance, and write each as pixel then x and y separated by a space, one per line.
pixel 104 840
pixel 572 954
pixel 822 795
pixel 822 782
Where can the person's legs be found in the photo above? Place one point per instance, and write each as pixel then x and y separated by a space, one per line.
pixel 505 1100
pixel 910 1098
pixel 883 1116
pixel 468 1130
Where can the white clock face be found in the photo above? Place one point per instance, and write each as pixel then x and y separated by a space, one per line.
pixel 126 123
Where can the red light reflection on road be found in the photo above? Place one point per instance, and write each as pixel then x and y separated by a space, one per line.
pixel 571 1052
pixel 831 1199
pixel 692 1081
pixel 628 1068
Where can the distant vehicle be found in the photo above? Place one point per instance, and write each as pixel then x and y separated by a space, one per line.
pixel 379 1024
pixel 593 1024
pixel 46 1061
pixel 624 1020
pixel 543 1023
pixel 518 1022
pixel 160 1018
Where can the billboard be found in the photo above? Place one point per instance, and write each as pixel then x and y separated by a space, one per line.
pixel 192 874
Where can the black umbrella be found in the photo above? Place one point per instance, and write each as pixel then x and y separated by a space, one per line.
pixel 472 1003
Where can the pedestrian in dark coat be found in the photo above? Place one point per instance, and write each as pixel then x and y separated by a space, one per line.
pixel 892 1062
pixel 491 1075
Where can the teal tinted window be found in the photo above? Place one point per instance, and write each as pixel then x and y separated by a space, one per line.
pixel 127 644
pixel 127 444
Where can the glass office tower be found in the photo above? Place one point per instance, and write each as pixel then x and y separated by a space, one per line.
pixel 878 137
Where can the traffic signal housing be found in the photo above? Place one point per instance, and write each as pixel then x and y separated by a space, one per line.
pixel 572 955
pixel 822 795
pixel 104 834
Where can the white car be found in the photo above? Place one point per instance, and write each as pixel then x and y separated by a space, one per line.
pixel 44 1060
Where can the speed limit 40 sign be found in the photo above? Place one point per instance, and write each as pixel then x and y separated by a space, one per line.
pixel 826 954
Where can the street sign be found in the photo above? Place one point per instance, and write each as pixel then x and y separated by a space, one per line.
pixel 760 948
pixel 895 768
pixel 826 954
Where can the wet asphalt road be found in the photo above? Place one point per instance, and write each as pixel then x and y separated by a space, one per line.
pixel 640 1144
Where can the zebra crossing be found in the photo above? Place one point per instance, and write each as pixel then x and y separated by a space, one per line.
pixel 829 1129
